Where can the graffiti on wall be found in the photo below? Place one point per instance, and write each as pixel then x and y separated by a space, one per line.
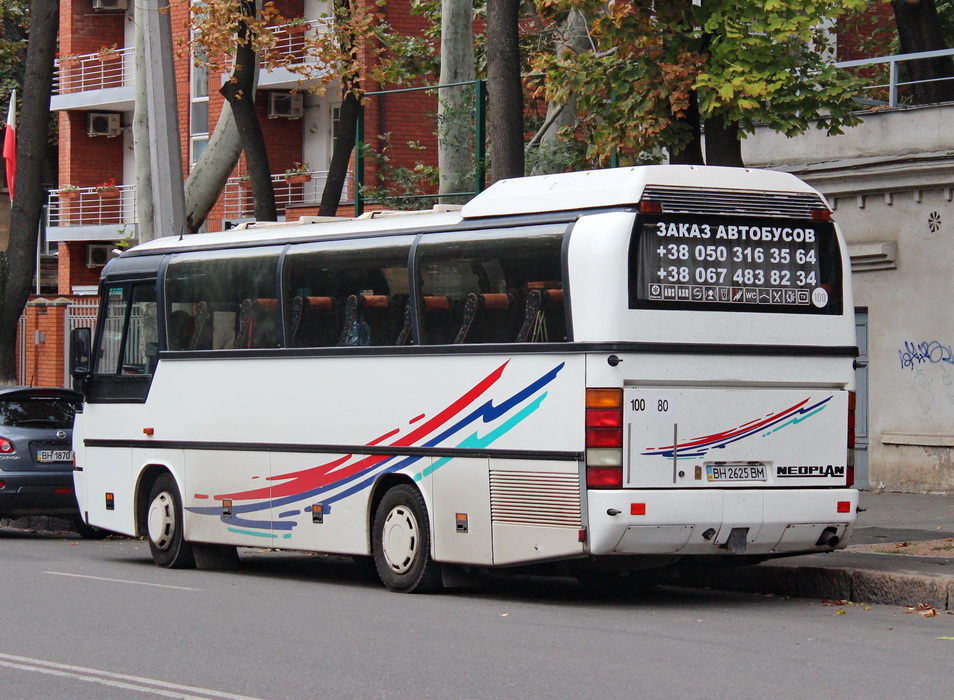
pixel 931 382
pixel 930 352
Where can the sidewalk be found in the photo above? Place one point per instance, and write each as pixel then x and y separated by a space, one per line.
pixel 857 574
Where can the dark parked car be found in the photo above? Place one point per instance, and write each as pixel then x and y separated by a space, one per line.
pixel 36 452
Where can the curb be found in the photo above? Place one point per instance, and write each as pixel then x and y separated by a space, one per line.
pixel 856 585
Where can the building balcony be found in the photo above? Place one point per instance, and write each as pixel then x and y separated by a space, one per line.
pixel 239 204
pixel 96 80
pixel 291 40
pixel 85 214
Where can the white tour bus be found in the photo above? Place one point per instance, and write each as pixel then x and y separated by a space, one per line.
pixel 605 372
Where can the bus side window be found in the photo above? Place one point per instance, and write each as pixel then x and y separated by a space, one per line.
pixel 348 293
pixel 484 284
pixel 223 299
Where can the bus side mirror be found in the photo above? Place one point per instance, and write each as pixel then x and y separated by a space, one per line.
pixel 80 344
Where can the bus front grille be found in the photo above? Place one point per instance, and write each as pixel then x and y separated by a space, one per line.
pixel 535 498
pixel 692 200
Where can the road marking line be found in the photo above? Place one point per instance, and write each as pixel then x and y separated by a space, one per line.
pixel 121 580
pixel 115 680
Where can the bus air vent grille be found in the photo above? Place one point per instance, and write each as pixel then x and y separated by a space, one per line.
pixel 535 498
pixel 691 200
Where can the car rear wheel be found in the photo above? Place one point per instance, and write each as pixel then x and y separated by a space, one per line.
pixel 164 526
pixel 88 532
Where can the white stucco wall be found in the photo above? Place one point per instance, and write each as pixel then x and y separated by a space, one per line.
pixel 891 181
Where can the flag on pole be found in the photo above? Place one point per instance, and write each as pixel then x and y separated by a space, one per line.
pixel 10 142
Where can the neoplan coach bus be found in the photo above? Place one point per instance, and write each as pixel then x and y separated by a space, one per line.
pixel 607 371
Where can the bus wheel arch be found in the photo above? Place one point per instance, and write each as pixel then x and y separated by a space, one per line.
pixel 164 523
pixel 401 538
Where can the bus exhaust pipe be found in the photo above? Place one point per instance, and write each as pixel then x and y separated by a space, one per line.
pixel 829 538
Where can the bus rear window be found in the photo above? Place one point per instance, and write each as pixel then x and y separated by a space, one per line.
pixel 709 263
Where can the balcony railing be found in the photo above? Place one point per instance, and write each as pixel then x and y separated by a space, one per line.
pixel 239 203
pixel 88 207
pixel 887 88
pixel 93 71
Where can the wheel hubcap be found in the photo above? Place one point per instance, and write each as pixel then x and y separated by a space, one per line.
pixel 400 540
pixel 162 520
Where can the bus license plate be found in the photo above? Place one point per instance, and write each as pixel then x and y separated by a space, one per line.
pixel 747 472
pixel 54 456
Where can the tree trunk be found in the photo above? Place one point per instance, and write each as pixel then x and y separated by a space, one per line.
pixel 920 30
pixel 572 38
pixel 723 143
pixel 240 93
pixel 455 131
pixel 18 264
pixel 504 90
pixel 347 122
pixel 146 226
pixel 341 156
pixel 690 153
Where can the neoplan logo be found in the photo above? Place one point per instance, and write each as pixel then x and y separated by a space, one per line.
pixel 809 470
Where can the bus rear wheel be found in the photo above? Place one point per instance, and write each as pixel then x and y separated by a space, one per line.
pixel 401 542
pixel 164 526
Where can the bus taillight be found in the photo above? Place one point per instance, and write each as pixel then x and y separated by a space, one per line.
pixel 850 471
pixel 604 438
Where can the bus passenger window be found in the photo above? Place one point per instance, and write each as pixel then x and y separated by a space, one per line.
pixel 223 299
pixel 479 287
pixel 348 293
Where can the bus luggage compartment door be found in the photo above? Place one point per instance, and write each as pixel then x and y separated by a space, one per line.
pixel 725 438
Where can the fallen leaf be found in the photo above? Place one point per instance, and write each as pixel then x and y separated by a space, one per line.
pixel 949 639
pixel 504 614
pixel 833 603
pixel 840 611
pixel 927 613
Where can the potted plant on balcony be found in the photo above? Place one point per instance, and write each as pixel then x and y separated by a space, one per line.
pixel 108 189
pixel 245 181
pixel 66 59
pixel 107 53
pixel 298 173
pixel 67 192
pixel 299 25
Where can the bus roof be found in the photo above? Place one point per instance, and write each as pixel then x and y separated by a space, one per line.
pixel 540 194
pixel 593 189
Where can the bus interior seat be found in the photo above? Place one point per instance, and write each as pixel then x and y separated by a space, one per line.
pixel 367 320
pixel 438 320
pixel 487 318
pixel 401 317
pixel 181 330
pixel 202 333
pixel 314 322
pixel 258 324
pixel 544 318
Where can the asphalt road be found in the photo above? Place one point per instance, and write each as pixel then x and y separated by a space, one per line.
pixel 82 619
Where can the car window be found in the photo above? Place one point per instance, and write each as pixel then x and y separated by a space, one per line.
pixel 37 413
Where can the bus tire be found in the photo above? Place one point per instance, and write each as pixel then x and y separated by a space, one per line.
pixel 164 526
pixel 401 542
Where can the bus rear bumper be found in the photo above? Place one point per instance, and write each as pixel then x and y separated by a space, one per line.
pixel 720 521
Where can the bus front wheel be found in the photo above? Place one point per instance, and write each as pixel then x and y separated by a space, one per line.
pixel 164 526
pixel 402 542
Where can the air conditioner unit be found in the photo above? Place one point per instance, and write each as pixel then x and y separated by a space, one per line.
pixel 285 104
pixel 98 254
pixel 103 124
pixel 108 5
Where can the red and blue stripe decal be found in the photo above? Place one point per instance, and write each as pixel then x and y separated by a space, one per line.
pixel 700 446
pixel 453 426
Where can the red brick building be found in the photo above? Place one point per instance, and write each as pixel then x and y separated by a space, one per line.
pixel 94 97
